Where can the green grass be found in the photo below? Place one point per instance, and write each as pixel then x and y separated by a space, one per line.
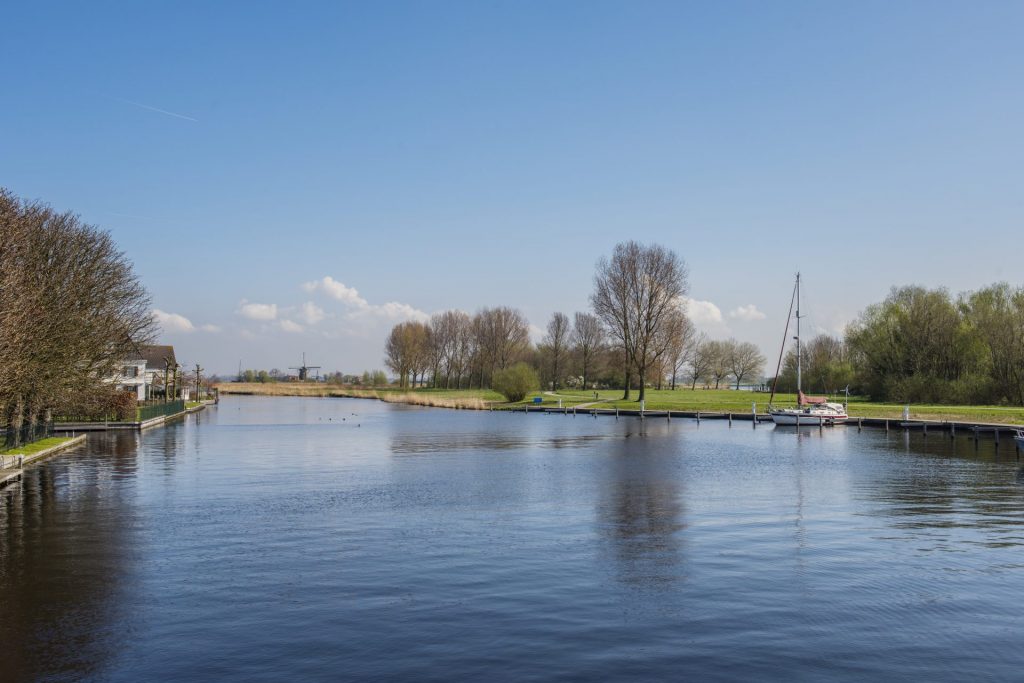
pixel 37 446
pixel 192 404
pixel 482 394
pixel 729 401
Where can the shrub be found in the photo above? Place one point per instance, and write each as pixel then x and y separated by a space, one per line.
pixel 516 382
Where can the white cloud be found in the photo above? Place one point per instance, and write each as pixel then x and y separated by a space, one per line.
pixel 394 311
pixel 172 322
pixel 214 329
pixel 289 326
pixel 336 290
pixel 748 312
pixel 702 312
pixel 258 311
pixel 310 313
pixel 360 308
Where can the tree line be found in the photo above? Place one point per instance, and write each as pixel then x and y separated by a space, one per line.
pixel 369 378
pixel 71 310
pixel 924 345
pixel 636 335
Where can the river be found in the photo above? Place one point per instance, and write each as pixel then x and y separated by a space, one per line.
pixel 272 539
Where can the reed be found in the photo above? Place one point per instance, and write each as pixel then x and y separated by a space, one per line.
pixel 431 399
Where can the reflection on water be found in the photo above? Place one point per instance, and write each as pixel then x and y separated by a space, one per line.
pixel 430 443
pixel 641 512
pixel 62 567
pixel 297 539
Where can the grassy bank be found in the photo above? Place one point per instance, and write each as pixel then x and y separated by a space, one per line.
pixel 473 399
pixel 726 401
pixel 37 446
pixel 686 400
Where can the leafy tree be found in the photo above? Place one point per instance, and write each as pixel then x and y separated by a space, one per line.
pixel 515 382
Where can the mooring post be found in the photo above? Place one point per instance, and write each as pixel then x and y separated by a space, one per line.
pixel 860 424
pixel 698 417
pixel 753 413
pixel 668 415
pixel 821 423
pixel 926 429
pixel 642 409
pixel 616 412
pixel 730 419
pixel 886 426
pixel 996 432
pixel 952 430
pixel 574 411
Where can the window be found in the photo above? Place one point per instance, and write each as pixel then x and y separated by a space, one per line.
pixel 131 371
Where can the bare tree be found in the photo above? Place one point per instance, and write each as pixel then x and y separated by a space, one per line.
pixel 679 348
pixel 501 336
pixel 557 342
pixel 407 351
pixel 744 359
pixel 718 361
pixel 71 310
pixel 700 358
pixel 635 293
pixel 587 338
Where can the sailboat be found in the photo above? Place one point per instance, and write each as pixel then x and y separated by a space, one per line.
pixel 809 410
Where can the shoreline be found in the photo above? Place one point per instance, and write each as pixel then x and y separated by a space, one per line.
pixel 865 414
pixel 9 474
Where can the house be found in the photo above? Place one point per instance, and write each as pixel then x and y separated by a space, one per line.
pixel 147 371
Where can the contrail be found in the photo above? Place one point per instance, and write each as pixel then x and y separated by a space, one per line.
pixel 161 111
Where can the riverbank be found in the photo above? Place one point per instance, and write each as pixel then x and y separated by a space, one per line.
pixel 682 400
pixel 11 467
pixel 463 399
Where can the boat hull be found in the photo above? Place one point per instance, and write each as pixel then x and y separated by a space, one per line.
pixel 793 419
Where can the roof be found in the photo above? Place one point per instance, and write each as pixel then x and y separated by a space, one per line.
pixel 154 355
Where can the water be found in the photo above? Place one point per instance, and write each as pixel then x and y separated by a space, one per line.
pixel 339 539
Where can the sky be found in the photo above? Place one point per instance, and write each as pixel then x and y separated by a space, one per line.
pixel 299 177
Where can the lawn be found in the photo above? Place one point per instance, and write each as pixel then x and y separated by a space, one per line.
pixel 36 446
pixel 730 401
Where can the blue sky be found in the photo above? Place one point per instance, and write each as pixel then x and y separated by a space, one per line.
pixel 457 155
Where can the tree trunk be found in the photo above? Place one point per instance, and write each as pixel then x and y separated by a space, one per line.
pixel 15 419
pixel 625 394
pixel 643 384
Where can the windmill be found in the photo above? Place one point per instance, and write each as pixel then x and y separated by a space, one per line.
pixel 304 369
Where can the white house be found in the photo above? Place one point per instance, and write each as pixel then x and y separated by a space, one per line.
pixel 144 374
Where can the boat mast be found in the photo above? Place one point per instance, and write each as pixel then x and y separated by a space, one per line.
pixel 799 398
pixel 782 349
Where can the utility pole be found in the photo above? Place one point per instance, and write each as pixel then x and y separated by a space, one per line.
pixel 167 378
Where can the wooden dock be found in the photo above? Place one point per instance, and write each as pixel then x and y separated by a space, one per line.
pixel 975 430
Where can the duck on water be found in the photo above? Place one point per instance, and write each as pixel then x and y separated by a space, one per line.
pixel 809 410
